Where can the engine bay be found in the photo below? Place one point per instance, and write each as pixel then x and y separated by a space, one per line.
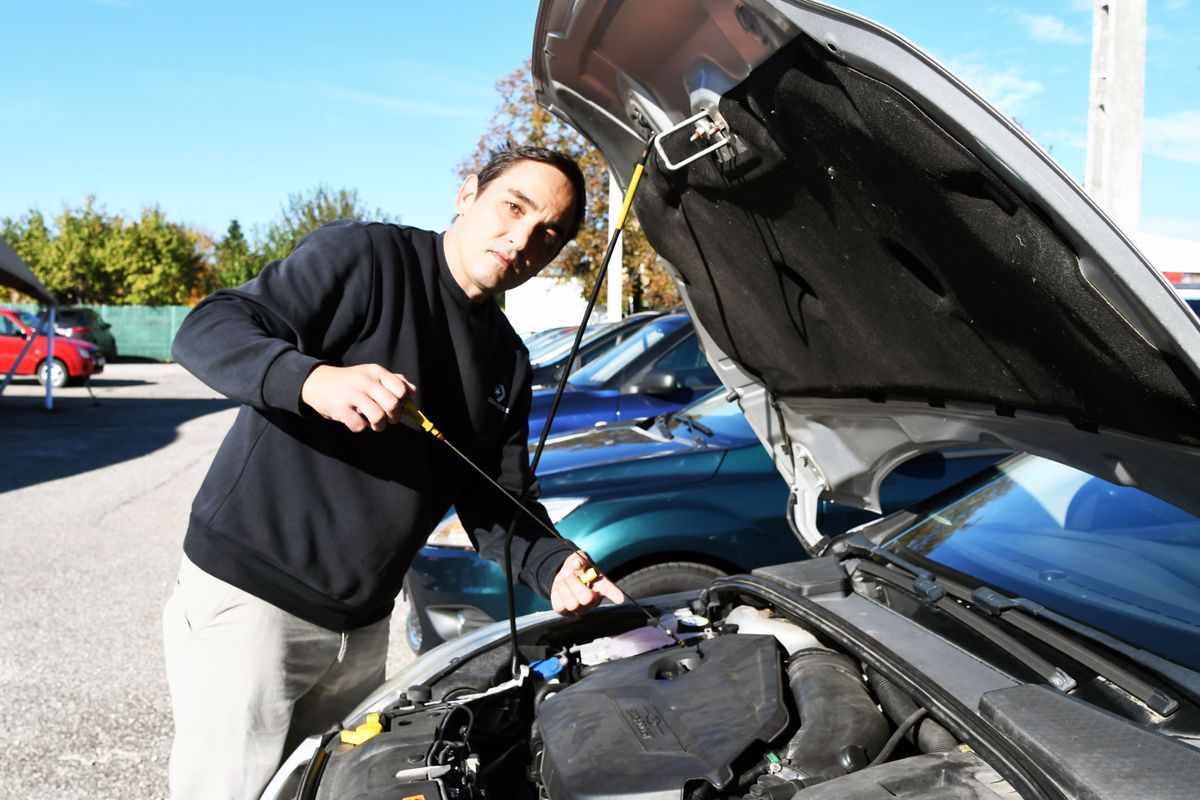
pixel 750 705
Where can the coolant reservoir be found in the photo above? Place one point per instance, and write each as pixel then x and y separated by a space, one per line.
pixel 790 635
pixel 630 643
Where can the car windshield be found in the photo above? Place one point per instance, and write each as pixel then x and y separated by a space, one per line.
pixel 1112 557
pixel 560 348
pixel 600 371
pixel 31 321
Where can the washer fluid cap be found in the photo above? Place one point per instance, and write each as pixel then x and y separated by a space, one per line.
pixel 546 669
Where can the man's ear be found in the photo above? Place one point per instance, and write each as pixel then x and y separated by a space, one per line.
pixel 467 193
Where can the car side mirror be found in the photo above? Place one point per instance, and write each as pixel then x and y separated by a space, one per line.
pixel 656 382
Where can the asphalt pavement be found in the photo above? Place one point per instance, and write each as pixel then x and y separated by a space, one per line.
pixel 94 499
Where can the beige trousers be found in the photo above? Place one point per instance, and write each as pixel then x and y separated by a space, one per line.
pixel 248 682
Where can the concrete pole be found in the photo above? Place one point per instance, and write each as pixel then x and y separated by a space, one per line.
pixel 1113 175
pixel 616 272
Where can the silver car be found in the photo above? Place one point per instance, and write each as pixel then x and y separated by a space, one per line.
pixel 879 264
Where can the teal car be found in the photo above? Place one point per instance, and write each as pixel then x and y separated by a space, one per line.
pixel 662 506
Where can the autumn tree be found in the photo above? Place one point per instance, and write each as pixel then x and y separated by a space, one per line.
pixel 519 119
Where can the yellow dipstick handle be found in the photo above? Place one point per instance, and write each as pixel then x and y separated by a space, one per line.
pixel 588 576
pixel 409 410
pixel 633 183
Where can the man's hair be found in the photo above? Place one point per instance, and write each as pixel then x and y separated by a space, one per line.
pixel 509 154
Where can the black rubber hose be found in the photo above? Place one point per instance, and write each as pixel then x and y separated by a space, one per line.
pixel 894 739
pixel 930 737
pixel 836 715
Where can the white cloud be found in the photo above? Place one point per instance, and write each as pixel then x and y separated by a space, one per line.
pixel 1051 30
pixel 322 92
pixel 1008 90
pixel 1176 137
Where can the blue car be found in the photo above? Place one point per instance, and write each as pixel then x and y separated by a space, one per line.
pixel 661 506
pixel 658 369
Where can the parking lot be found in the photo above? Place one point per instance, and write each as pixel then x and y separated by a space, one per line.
pixel 94 498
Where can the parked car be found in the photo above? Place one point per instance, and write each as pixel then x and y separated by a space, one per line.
pixel 74 359
pixel 80 322
pixel 659 368
pixel 664 506
pixel 549 365
pixel 878 265
pixel 536 343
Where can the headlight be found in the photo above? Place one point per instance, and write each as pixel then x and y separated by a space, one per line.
pixel 86 355
pixel 451 533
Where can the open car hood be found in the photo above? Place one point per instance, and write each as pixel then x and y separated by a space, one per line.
pixel 877 261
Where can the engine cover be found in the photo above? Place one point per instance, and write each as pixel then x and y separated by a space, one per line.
pixel 645 726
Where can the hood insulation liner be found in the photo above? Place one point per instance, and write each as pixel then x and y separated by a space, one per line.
pixel 852 248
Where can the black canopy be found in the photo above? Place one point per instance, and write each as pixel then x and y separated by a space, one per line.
pixel 16 273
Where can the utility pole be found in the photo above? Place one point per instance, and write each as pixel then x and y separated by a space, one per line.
pixel 616 271
pixel 1113 175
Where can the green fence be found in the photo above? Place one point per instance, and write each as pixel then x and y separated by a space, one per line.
pixel 141 331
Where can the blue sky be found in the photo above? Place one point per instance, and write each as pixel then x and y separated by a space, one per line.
pixel 219 110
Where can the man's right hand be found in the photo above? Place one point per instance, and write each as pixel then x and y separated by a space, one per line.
pixel 359 397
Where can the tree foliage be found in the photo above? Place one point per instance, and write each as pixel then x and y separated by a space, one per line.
pixel 518 118
pixel 87 256
pixel 304 212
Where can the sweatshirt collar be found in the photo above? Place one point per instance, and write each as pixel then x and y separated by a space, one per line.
pixel 476 310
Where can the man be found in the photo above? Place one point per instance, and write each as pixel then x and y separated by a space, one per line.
pixel 318 499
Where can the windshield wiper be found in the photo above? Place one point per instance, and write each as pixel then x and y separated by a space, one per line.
pixel 693 424
pixel 986 604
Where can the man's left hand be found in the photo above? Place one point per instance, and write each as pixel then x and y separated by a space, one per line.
pixel 570 595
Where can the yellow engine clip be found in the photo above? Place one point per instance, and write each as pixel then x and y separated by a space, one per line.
pixel 367 730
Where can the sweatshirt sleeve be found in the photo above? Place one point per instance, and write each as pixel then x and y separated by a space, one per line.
pixel 257 343
pixel 536 555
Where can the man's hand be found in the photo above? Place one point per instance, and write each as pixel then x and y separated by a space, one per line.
pixel 360 397
pixel 570 595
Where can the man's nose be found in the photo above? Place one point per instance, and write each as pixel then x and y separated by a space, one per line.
pixel 519 236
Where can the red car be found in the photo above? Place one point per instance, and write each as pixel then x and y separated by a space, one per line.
pixel 74 359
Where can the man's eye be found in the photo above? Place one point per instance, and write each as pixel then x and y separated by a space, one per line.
pixel 513 208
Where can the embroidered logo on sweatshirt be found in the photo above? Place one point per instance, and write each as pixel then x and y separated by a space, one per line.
pixel 499 395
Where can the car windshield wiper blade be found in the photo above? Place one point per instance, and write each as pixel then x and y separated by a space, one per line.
pixel 985 604
pixel 663 423
pixel 694 424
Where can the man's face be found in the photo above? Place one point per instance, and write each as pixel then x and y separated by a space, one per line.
pixel 504 235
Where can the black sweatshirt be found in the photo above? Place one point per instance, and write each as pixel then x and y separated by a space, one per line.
pixel 323 522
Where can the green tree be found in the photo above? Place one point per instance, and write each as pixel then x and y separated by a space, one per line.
pixel 519 118
pixel 29 237
pixel 153 261
pixel 235 261
pixel 91 257
pixel 304 212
